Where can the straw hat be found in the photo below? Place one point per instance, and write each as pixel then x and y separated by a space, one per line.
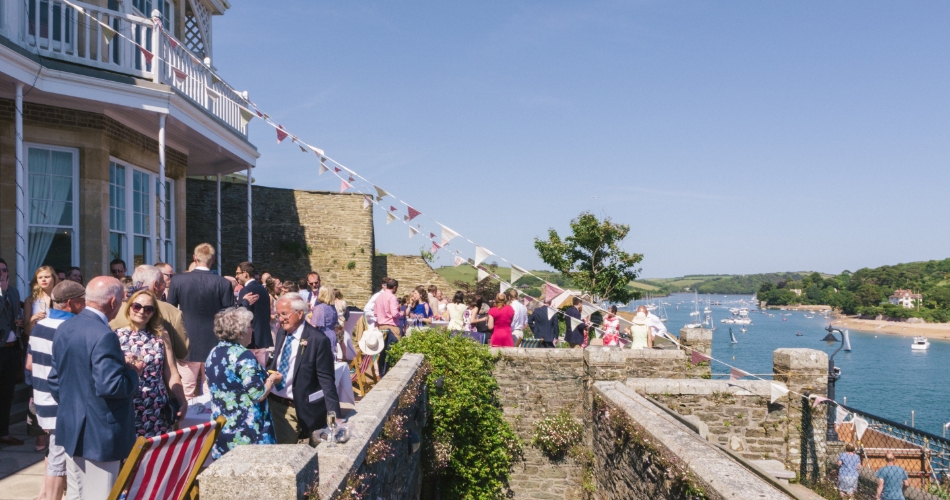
pixel 640 319
pixel 372 342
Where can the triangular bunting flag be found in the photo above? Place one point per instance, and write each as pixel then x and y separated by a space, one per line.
pixel 481 254
pixel 246 117
pixel 447 235
pixel 818 400
pixel 351 178
pixel 148 55
pixel 390 217
pixel 281 135
pixel 413 213
pixel 304 150
pixel 336 169
pixel 435 247
pixel 777 391
pixel 860 425
pixel 503 287
pixel 367 200
pixel 319 152
pixel 574 322
pixel 459 261
pixel 587 310
pixel 412 232
pixel 517 273
pixel 182 76
pixel 551 291
pixel 405 218
pixel 344 185
pixel 482 274
pixel 108 33
pixel 551 313
pixel 431 235
pixel 736 374
pixel 172 42
pixel 392 208
pixel 323 169
pixel 840 415
pixel 380 192
pixel 527 299
pixel 698 357
pixel 259 113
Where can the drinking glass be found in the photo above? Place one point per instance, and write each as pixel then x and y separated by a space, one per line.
pixel 331 424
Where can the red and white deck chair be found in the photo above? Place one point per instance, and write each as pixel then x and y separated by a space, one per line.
pixel 165 467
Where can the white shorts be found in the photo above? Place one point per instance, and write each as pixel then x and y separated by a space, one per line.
pixel 56 459
pixel 518 334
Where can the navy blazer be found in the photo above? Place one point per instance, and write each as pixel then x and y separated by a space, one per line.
pixel 94 387
pixel 313 371
pixel 575 336
pixel 8 312
pixel 543 327
pixel 200 295
pixel 261 338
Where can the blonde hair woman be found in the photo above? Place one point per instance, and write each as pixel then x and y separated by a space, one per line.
pixel 39 302
pixel 146 340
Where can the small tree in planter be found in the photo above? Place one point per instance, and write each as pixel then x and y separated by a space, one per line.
pixel 555 435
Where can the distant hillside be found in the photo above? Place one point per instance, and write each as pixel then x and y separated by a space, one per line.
pixel 721 284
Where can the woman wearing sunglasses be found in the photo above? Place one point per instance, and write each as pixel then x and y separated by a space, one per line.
pixel 145 339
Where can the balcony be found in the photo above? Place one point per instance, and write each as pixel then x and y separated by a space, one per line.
pixel 93 36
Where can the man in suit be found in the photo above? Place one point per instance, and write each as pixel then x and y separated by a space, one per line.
pixel 11 319
pixel 544 324
pixel 304 357
pixel 93 383
pixel 200 295
pixel 151 277
pixel 574 336
pixel 248 298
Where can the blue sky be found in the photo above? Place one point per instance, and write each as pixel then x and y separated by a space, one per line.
pixel 735 137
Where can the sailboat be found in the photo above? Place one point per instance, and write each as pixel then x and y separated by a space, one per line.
pixel 733 336
pixel 847 342
pixel 695 323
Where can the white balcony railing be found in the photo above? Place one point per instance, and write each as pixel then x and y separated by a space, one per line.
pixel 76 32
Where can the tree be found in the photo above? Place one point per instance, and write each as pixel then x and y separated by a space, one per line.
pixel 592 257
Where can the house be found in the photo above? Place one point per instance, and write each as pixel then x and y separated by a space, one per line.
pixel 905 298
pixel 105 109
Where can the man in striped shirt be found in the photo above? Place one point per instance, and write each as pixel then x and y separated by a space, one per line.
pixel 68 300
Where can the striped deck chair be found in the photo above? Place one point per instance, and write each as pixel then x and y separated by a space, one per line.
pixel 363 372
pixel 165 467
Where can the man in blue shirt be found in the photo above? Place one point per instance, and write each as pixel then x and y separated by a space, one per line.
pixel 891 480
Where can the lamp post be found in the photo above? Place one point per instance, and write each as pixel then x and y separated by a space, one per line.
pixel 834 373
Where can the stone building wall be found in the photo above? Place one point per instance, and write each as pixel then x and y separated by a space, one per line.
pixel 409 271
pixel 295 232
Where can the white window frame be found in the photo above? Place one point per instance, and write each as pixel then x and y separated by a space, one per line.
pixel 151 248
pixel 170 208
pixel 75 256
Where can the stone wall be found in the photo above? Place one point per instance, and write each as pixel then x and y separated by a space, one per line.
pixel 735 414
pixel 640 452
pixel 410 271
pixel 803 371
pixel 295 232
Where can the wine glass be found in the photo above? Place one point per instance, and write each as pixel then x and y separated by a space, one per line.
pixel 331 424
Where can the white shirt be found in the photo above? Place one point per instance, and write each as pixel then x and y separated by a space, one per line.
pixel 369 312
pixel 98 313
pixel 201 268
pixel 520 319
pixel 287 391
pixel 657 328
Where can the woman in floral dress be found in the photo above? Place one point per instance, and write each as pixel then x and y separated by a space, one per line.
pixel 238 385
pixel 145 339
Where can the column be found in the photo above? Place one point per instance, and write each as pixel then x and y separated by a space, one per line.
pixel 21 270
pixel 804 372
pixel 160 192
pixel 218 260
pixel 250 239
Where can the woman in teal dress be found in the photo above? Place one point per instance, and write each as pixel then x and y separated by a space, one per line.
pixel 238 384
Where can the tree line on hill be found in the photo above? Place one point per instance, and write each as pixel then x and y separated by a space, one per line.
pixel 866 291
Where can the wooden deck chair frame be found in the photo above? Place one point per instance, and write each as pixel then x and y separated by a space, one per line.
pixel 142 445
pixel 364 377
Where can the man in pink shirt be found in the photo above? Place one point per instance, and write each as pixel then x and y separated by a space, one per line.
pixel 387 317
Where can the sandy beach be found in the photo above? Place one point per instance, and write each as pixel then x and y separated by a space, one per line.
pixel 800 307
pixel 929 330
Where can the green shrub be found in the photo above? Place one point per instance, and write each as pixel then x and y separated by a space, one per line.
pixel 555 435
pixel 470 447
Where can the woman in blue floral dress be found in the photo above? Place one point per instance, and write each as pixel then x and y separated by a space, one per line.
pixel 239 385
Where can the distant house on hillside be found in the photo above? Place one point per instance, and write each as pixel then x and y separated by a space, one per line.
pixel 905 298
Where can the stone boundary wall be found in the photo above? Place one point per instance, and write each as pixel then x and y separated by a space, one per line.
pixel 640 452
pixel 410 271
pixel 287 472
pixel 736 414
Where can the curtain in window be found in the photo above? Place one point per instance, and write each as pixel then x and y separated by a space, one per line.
pixel 51 189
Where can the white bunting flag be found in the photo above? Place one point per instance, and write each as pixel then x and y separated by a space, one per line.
pixel 481 254
pixel 551 313
pixel 381 193
pixel 503 287
pixel 318 151
pixel 777 392
pixel 390 217
pixel 587 310
pixel 482 274
pixel 447 235
pixel 840 415
pixel 574 322
pixel 459 261
pixel 367 200
pixel 412 232
pixel 323 169
pixel 517 273
pixel 860 425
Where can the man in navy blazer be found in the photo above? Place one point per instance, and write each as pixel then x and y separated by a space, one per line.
pixel 93 383
pixel 249 298
pixel 308 390
pixel 544 324
pixel 574 336
pixel 200 294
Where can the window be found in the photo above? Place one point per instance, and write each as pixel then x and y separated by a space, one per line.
pixel 169 221
pixel 53 219
pixel 117 213
pixel 133 211
pixel 141 220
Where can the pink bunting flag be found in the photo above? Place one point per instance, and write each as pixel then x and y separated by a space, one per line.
pixel 819 400
pixel 405 218
pixel 281 135
pixel 172 42
pixel 528 300
pixel 698 357
pixel 736 374
pixel 259 114
pixel 413 213
pixel 148 55
pixel 431 235
pixel 367 200
pixel 336 169
pixel 435 247
pixel 392 208
pixel 351 178
pixel 180 75
pixel 459 261
pixel 344 185
pixel 551 291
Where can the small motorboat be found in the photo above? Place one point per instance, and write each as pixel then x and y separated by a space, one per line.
pixel 920 344
pixel 743 330
pixel 798 334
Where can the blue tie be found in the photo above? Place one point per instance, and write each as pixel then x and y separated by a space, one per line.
pixel 284 366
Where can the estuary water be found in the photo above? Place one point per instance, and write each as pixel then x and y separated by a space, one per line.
pixel 881 375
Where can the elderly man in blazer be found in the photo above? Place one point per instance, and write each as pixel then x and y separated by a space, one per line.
pixel 304 356
pixel 151 277
pixel 93 382
pixel 200 295
pixel 544 324
pixel 248 298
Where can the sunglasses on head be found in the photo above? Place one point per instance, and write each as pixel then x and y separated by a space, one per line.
pixel 140 308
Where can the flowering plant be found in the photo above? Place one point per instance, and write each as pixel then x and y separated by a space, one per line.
pixel 556 434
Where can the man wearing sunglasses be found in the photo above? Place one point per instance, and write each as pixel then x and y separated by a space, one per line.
pixel 313 289
pixel 150 277
pixel 117 268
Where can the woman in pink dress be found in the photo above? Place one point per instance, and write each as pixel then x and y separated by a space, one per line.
pixel 612 327
pixel 499 321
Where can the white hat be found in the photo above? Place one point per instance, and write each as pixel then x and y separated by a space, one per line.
pixel 640 319
pixel 372 342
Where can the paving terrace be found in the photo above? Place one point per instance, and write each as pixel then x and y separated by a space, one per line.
pixel 21 468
